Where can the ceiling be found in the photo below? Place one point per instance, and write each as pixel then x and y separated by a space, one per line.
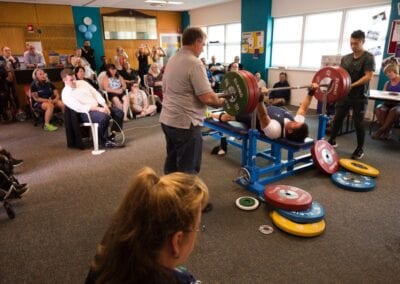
pixel 127 4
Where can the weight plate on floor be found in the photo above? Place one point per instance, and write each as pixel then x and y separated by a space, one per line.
pixel 247 203
pixel 288 197
pixel 315 214
pixel 338 81
pixel 234 83
pixel 359 167
pixel 302 230
pixel 325 157
pixel 353 182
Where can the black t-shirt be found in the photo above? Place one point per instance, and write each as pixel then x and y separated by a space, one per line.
pixel 356 67
pixel 282 94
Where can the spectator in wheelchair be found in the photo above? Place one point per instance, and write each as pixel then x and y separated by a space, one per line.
pixel 81 97
pixel 46 97
pixel 139 102
pixel 7 179
pixel 137 251
pixel 115 87
pixel 388 113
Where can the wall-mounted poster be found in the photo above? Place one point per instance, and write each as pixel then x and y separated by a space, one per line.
pixel 394 38
pixel 171 43
pixel 253 42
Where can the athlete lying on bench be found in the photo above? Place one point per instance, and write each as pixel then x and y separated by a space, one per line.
pixel 276 122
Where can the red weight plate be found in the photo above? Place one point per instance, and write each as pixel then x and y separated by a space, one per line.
pixel 325 157
pixel 252 82
pixel 339 88
pixel 288 197
pixel 250 89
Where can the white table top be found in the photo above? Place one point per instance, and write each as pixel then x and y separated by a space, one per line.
pixel 384 95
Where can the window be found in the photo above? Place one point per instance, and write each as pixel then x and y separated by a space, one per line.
pixel 223 41
pixel 286 43
pixel 300 41
pixel 129 24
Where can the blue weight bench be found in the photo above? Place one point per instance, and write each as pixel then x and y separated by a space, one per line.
pixel 258 149
pixel 273 151
pixel 234 129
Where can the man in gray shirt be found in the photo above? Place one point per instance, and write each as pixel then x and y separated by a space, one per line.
pixel 33 58
pixel 187 93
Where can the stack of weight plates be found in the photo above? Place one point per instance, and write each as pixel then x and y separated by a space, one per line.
pixel 359 177
pixel 295 213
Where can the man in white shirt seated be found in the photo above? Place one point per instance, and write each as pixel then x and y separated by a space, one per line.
pixel 81 97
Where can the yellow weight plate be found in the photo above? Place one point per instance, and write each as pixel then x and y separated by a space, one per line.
pixel 302 230
pixel 359 168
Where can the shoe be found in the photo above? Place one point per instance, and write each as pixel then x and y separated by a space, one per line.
pixel 21 190
pixel 112 144
pixel 358 154
pixel 377 134
pixel 50 127
pixel 333 143
pixel 209 207
pixel 221 152
pixel 16 162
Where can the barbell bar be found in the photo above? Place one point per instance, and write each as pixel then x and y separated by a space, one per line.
pixel 241 92
pixel 228 95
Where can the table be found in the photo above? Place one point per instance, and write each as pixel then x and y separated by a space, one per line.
pixel 382 96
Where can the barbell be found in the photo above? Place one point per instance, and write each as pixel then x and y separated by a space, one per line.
pixel 241 92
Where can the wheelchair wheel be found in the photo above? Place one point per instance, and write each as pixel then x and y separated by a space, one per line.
pixel 116 133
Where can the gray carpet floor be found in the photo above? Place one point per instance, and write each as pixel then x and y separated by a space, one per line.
pixel 73 195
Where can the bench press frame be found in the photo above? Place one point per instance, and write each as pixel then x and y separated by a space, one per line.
pixel 277 168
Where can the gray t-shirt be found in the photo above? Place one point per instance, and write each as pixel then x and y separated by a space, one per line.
pixel 184 79
pixel 356 69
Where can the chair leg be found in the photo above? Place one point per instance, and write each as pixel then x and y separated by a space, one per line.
pixel 96 151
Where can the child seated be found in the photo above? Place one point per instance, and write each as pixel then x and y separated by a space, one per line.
pixel 139 103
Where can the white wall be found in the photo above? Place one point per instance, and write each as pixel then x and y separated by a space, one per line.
pixel 230 12
pixel 281 8
pixel 301 77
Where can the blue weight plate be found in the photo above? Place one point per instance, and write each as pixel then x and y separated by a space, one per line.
pixel 353 182
pixel 315 214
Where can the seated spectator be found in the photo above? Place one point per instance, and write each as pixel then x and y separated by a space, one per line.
pixel 134 251
pixel 236 60
pixel 9 185
pixel 80 75
pixel 33 58
pixel 78 60
pixel 120 58
pixel 14 162
pixel 115 87
pixel 139 102
pixel 388 113
pixel 104 63
pixel 154 80
pixel 81 97
pixel 129 75
pixel 157 52
pixel 218 71
pixel 282 97
pixel 234 67
pixel 11 63
pixel 260 82
pixel 210 76
pixel 46 97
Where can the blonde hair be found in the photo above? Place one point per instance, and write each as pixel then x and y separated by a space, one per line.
pixel 391 67
pixel 153 209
